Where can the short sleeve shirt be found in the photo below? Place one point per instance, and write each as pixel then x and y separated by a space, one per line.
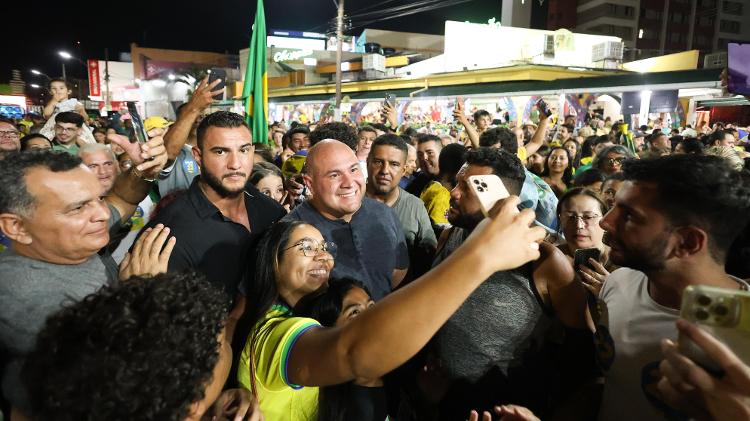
pixel 436 199
pixel 180 174
pixel 414 220
pixel 370 247
pixel 269 348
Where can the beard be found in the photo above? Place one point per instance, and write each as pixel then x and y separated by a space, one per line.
pixel 646 258
pixel 215 183
pixel 463 220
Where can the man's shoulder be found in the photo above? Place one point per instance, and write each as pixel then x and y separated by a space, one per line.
pixel 179 211
pixel 409 201
pixel 621 280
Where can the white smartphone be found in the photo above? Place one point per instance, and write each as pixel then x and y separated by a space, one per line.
pixel 489 189
pixel 725 314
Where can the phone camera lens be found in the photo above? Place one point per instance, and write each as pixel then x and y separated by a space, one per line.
pixel 479 189
pixel 703 300
pixel 701 315
pixel 720 310
pixel 476 181
pixel 484 185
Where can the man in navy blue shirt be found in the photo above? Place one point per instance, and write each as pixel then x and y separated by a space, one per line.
pixel 370 241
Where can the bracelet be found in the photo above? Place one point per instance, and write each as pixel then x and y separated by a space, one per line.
pixel 138 173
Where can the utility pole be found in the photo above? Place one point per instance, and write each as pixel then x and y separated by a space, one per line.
pixel 107 103
pixel 63 70
pixel 339 42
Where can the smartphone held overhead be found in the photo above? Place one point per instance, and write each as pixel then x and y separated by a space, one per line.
pixel 139 129
pixel 220 74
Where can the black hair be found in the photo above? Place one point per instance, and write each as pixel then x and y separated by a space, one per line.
pixel 70 117
pixel 718 136
pixel 410 131
pixel 502 136
pixel 390 140
pixel 222 119
pixel 367 128
pixel 577 158
pixel 262 170
pixel 59 79
pixel 14 194
pixel 264 152
pixel 505 165
pixel 570 128
pixel 588 177
pixel 298 129
pixel 452 158
pixel 407 139
pixel 618 176
pixel 382 127
pixel 699 190
pixel 587 147
pixel 25 140
pixel 567 177
pixel 144 349
pixel 424 138
pixel 692 146
pixel 481 113
pixel 338 131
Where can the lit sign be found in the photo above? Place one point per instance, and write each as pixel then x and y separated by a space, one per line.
pixel 290 55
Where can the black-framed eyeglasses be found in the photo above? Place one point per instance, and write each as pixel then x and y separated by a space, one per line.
pixel 613 161
pixel 312 248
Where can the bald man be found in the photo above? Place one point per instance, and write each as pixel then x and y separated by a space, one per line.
pixel 371 246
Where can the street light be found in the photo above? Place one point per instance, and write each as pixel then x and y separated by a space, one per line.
pixel 35 86
pixel 64 54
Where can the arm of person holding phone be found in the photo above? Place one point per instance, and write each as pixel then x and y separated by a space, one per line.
pixel 179 132
pixel 537 141
pixel 459 115
pixel 689 388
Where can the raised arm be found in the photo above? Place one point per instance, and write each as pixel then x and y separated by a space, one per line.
pixel 178 134
pixel 132 186
pixel 471 132
pixel 537 140
pixel 398 326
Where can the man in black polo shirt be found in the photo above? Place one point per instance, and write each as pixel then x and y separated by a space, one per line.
pixel 371 243
pixel 218 219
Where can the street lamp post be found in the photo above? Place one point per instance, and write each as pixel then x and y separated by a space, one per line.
pixel 66 56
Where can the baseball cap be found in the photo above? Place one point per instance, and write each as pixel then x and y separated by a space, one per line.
pixel 156 122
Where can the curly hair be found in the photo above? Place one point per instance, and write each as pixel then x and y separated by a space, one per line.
pixel 338 131
pixel 504 165
pixel 143 350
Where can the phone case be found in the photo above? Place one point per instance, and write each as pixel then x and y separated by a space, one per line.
pixel 138 128
pixel 489 189
pixel 581 257
pixel 725 314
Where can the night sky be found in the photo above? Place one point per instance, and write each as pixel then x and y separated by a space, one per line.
pixel 220 26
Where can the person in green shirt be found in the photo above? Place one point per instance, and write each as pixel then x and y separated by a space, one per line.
pixel 68 126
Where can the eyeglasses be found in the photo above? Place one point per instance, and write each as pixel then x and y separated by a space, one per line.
pixel 613 161
pixel 65 129
pixel 587 218
pixel 10 134
pixel 312 248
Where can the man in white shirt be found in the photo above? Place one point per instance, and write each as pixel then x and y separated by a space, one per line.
pixel 669 228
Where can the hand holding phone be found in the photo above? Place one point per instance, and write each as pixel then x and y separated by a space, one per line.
pixel 219 74
pixel 581 257
pixel 489 189
pixel 544 111
pixel 139 130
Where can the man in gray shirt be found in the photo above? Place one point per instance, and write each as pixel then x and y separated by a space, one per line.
pixel 386 164
pixel 51 208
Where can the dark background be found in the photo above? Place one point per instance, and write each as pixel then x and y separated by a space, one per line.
pixel 86 28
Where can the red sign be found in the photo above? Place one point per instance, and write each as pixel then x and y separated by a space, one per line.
pixel 94 88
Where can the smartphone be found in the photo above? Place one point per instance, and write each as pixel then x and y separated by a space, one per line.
pixel 725 314
pixel 390 99
pixel 581 257
pixel 488 189
pixel 543 107
pixel 138 129
pixel 738 68
pixel 218 73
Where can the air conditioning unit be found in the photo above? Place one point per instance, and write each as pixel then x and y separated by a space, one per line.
pixel 715 60
pixel 549 46
pixel 609 50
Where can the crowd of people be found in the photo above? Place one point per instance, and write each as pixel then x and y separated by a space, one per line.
pixel 343 272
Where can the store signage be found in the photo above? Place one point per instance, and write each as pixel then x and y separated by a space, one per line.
pixel 94 88
pixel 291 55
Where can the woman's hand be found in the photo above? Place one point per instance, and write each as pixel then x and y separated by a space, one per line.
pixel 593 279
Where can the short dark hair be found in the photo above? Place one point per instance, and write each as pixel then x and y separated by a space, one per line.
pixel 500 135
pixel 14 194
pixel 144 349
pixel 298 129
pixel 718 136
pixel 25 140
pixel 699 190
pixel 381 127
pixel 390 140
pixel 452 158
pixel 342 132
pixel 570 128
pixel 222 119
pixel 70 117
pixel 588 177
pixel 61 80
pixel 504 165
pixel 481 113
pixel 424 138
pixel 692 145
pixel 366 129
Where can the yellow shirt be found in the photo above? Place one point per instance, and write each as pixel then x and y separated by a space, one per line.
pixel 271 346
pixel 522 155
pixel 436 199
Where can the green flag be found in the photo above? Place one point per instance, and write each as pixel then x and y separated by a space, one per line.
pixel 255 87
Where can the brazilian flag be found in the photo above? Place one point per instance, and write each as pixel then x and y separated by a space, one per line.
pixel 255 88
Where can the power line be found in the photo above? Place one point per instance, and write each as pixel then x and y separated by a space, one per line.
pixel 425 8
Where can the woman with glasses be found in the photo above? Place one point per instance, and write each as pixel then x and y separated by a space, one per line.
pixel 609 160
pixel 558 172
pixel 579 211
pixel 286 358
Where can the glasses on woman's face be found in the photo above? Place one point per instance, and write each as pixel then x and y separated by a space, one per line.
pixel 312 248
pixel 615 161
pixel 587 218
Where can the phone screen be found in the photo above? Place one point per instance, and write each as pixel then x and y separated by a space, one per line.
pixel 738 68
pixel 138 128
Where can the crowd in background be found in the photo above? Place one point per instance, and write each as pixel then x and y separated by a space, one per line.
pixel 335 271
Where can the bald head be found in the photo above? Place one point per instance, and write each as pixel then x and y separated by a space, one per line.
pixel 334 176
